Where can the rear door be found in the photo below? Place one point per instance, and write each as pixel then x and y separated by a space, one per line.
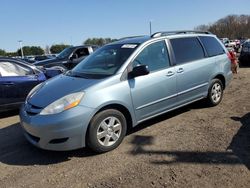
pixel 192 68
pixel 15 82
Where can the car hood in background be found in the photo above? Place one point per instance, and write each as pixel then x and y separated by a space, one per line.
pixel 59 87
pixel 51 72
pixel 48 61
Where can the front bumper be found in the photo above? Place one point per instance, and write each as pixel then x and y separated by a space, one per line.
pixel 63 131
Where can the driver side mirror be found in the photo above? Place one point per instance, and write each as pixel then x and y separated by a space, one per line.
pixel 138 71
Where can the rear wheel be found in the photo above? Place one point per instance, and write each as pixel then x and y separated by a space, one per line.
pixel 106 130
pixel 215 92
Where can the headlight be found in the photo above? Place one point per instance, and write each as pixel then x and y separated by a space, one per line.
pixel 34 90
pixel 64 103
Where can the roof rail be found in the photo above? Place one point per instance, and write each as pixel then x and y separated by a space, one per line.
pixel 166 33
pixel 131 37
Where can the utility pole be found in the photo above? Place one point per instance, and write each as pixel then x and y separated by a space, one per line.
pixel 150 27
pixel 21 47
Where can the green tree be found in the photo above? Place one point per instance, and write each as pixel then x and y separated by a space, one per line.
pixel 11 54
pixel 57 48
pixel 98 41
pixel 31 50
pixel 26 51
pixel 2 52
pixel 36 50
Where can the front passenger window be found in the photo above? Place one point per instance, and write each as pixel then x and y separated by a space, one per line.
pixel 155 56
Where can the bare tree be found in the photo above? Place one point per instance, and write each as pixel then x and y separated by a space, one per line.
pixel 231 26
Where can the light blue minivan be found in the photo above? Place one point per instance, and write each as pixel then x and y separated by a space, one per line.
pixel 123 84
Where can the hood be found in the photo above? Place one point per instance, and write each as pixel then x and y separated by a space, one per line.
pixel 58 87
pixel 47 61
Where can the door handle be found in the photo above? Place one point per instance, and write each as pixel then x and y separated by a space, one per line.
pixel 180 70
pixel 170 73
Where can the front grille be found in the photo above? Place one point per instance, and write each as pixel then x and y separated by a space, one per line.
pixel 58 141
pixel 31 113
pixel 32 109
pixel 34 138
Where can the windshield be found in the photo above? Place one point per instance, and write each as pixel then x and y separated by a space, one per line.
pixel 106 61
pixel 65 53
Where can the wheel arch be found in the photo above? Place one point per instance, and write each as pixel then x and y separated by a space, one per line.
pixel 121 108
pixel 222 79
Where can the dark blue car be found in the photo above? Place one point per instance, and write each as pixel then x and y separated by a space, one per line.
pixel 17 78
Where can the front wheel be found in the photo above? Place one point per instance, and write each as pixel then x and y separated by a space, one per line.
pixel 106 130
pixel 215 92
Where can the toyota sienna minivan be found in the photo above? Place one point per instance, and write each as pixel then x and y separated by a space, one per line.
pixel 123 84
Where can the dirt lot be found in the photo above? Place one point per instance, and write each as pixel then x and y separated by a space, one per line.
pixel 195 146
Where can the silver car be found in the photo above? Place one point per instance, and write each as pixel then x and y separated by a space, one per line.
pixel 123 84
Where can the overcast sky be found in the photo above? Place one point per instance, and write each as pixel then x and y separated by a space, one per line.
pixel 47 22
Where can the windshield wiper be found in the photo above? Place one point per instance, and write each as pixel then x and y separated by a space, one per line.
pixel 73 74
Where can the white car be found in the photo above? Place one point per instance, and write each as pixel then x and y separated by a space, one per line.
pixel 232 43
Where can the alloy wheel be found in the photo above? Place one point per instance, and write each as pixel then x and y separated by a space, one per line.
pixel 216 92
pixel 109 131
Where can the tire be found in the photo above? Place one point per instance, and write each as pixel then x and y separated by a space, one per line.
pixel 215 92
pixel 106 131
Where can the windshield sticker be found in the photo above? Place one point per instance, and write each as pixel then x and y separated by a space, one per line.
pixel 129 46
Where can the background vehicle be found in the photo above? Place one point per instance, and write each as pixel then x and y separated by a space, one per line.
pixel 225 41
pixel 17 78
pixel 29 59
pixel 237 45
pixel 42 57
pixel 33 59
pixel 245 53
pixel 68 58
pixel 123 84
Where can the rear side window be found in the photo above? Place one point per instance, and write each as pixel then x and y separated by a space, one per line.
pixel 13 69
pixel 187 49
pixel 213 47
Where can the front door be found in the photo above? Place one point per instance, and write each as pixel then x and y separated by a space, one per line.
pixel 156 92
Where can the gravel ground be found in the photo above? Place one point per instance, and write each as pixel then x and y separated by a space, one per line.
pixel 194 146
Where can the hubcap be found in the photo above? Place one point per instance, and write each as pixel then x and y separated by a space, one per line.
pixel 109 131
pixel 216 92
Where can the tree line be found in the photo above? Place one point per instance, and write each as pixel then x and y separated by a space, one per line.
pixel 54 49
pixel 98 41
pixel 35 50
pixel 231 26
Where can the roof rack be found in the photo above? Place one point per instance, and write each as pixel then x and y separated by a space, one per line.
pixel 166 33
pixel 131 37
